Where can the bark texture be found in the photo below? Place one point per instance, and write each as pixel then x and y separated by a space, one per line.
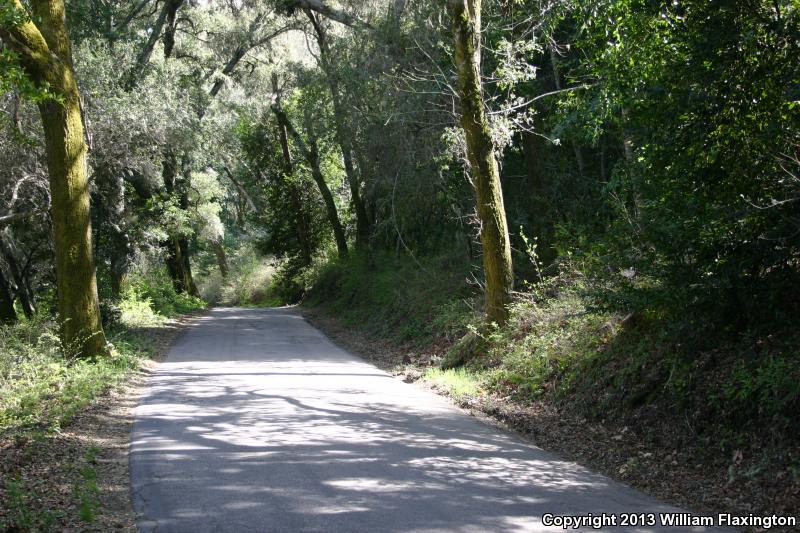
pixel 466 23
pixel 46 55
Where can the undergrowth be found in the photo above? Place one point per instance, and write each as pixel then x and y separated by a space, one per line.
pixel 248 283
pixel 149 297
pixel 42 387
pixel 395 298
pixel 644 366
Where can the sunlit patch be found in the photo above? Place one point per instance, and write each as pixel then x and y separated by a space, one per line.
pixel 242 505
pixel 315 434
pixel 381 485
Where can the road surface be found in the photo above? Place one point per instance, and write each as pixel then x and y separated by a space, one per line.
pixel 257 422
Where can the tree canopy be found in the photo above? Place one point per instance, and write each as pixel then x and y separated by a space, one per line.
pixel 638 137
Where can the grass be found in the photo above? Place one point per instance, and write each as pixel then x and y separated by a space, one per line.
pixel 87 491
pixel 41 391
pixel 395 298
pixel 459 383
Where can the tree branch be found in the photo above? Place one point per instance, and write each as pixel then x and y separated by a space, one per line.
pixel 327 11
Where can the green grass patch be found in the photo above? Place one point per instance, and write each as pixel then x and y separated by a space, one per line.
pixel 459 383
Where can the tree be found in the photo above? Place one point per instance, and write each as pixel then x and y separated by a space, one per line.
pixel 466 25
pixel 311 155
pixel 7 313
pixel 343 131
pixel 45 54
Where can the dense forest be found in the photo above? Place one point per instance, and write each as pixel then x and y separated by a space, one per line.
pixel 590 203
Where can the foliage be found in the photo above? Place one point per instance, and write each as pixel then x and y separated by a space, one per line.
pixel 87 490
pixel 394 297
pixel 649 163
pixel 153 290
pixel 249 282
pixel 21 514
pixel 41 387
pixel 459 383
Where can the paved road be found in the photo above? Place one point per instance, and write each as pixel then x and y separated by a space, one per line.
pixel 256 422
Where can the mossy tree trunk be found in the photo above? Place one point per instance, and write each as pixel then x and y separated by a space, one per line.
pixel 46 55
pixel 466 25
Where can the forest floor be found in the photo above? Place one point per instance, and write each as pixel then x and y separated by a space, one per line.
pixel 688 477
pixel 76 478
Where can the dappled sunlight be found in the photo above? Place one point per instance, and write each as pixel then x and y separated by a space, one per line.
pixel 272 424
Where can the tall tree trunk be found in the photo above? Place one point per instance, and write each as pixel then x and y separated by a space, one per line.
pixel 311 155
pixel 466 24
pixel 222 259
pixel 111 182
pixel 343 137
pixel 177 263
pixel 46 55
pixel 177 246
pixel 169 32
pixel 167 15
pixel 327 197
pixel 301 219
pixel 22 291
pixel 7 313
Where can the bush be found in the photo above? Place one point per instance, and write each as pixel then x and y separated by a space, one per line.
pixel 154 288
pixel 248 283
pixel 396 297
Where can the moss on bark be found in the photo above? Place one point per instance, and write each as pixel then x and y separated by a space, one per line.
pixel 46 55
pixel 466 24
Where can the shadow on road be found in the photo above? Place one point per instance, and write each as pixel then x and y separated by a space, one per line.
pixel 256 422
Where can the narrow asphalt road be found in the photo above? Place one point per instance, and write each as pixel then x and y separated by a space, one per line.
pixel 257 422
